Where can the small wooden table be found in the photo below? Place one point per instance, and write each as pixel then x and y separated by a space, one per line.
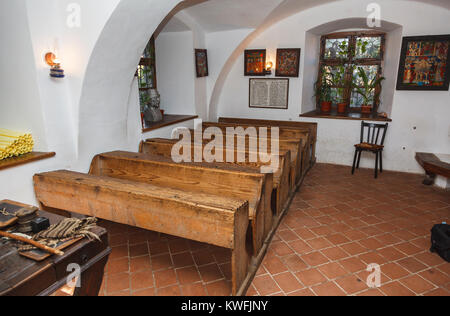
pixel 20 276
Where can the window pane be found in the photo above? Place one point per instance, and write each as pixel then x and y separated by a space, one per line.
pixel 334 74
pixel 144 99
pixel 371 72
pixel 368 47
pixel 357 100
pixel 149 51
pixel 145 75
pixel 336 48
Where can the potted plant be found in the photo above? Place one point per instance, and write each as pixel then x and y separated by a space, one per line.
pixel 369 88
pixel 339 80
pixel 323 94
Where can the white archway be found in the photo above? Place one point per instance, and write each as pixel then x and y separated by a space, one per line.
pixel 108 77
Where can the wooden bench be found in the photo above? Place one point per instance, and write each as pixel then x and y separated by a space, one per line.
pixel 433 166
pixel 311 126
pixel 293 143
pixel 281 176
pixel 236 182
pixel 286 133
pixel 202 217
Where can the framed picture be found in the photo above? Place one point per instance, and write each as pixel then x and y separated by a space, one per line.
pixel 288 62
pixel 201 63
pixel 425 63
pixel 269 93
pixel 255 62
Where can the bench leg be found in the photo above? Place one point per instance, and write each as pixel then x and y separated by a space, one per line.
pixel 240 255
pixel 429 180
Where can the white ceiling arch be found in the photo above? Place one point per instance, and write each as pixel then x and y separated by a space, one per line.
pixel 109 74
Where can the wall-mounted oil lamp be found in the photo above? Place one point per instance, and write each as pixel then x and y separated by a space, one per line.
pixel 269 66
pixel 55 65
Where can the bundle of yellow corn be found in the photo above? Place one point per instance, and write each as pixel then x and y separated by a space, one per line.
pixel 14 143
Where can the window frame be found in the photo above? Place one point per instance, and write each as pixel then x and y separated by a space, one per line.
pixel 149 62
pixel 352 41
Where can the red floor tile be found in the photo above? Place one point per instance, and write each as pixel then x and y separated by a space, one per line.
pixel 322 247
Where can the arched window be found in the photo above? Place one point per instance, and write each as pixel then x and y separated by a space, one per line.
pixel 146 73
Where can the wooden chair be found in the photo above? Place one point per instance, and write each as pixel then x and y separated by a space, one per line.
pixel 374 142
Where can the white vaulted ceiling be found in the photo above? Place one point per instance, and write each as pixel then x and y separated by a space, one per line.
pixel 223 15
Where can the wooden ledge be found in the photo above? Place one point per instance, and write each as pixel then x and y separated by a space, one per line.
pixel 168 119
pixel 346 116
pixel 24 159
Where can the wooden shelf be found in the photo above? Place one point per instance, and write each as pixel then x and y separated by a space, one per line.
pixel 345 116
pixel 24 159
pixel 168 119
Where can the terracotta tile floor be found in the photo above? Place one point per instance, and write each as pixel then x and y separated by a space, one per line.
pixel 336 226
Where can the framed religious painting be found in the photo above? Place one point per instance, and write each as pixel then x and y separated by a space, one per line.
pixel 255 62
pixel 201 63
pixel 425 63
pixel 288 62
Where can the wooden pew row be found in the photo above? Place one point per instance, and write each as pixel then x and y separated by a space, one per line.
pixel 281 175
pixel 236 182
pixel 311 126
pixel 293 144
pixel 197 216
pixel 287 133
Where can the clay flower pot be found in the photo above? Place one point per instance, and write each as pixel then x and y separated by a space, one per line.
pixel 342 107
pixel 366 109
pixel 325 106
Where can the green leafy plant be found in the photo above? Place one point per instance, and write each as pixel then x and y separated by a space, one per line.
pixel 369 87
pixel 323 91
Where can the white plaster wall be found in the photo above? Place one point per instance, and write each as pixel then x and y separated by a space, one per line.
pixel 429 112
pixel 220 46
pixel 20 104
pixel 175 69
pixel 30 100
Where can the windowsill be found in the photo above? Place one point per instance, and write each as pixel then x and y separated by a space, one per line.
pixel 168 119
pixel 345 116
pixel 24 159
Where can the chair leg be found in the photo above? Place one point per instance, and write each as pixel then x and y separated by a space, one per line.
pixel 359 159
pixel 354 161
pixel 376 165
pixel 381 161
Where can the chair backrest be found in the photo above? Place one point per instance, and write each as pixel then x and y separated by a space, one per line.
pixel 376 133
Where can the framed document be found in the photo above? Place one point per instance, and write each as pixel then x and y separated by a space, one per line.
pixel 269 93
